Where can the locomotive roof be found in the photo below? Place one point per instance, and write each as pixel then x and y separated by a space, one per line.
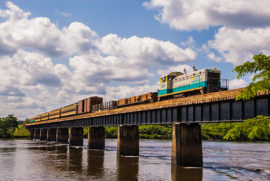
pixel 176 74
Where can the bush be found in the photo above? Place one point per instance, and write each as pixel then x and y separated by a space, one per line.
pixel 21 131
pixel 111 132
pixel 255 129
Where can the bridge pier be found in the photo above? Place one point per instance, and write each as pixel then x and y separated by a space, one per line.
pixel 187 145
pixel 96 138
pixel 51 134
pixel 43 134
pixel 62 135
pixel 32 134
pixel 128 140
pixel 37 134
pixel 76 137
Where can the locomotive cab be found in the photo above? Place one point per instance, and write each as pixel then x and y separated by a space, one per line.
pixel 166 82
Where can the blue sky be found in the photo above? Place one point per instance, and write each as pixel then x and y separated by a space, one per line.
pixel 53 53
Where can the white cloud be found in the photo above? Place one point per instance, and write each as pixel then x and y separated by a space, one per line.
pixel 238 46
pixel 145 50
pixel 120 92
pixel 189 43
pixel 237 83
pixel 198 15
pixel 32 83
pixel 243 25
pixel 27 79
pixel 40 34
pixel 179 68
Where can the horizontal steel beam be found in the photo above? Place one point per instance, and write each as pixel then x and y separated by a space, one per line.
pixel 221 111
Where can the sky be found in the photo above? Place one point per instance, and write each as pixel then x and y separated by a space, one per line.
pixel 54 53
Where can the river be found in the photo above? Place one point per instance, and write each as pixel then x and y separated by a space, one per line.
pixel 36 160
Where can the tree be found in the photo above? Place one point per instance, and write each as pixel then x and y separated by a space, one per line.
pixel 7 126
pixel 260 66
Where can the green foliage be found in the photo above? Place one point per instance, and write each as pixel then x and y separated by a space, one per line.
pixel 85 132
pixel 215 130
pixel 111 132
pixel 7 126
pixel 260 66
pixel 155 132
pixel 21 131
pixel 255 129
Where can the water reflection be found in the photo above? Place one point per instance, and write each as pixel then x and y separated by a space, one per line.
pixel 181 173
pixel 95 163
pixel 75 159
pixel 127 168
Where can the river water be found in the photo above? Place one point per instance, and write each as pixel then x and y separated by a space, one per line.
pixel 36 160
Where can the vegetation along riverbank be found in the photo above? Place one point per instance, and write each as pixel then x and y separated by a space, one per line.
pixel 256 129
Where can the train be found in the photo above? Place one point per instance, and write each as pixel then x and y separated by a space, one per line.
pixel 174 85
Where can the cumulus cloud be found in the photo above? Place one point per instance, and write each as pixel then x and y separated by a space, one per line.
pixel 198 15
pixel 119 92
pixel 179 68
pixel 238 46
pixel 109 66
pixel 237 83
pixel 136 49
pixel 28 68
pixel 243 25
pixel 40 34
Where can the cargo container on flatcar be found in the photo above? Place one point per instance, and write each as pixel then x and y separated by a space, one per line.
pixel 55 114
pixel 140 99
pixel 69 110
pixel 44 116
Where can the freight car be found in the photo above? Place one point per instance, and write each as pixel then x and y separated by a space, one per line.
pixel 177 84
pixel 85 105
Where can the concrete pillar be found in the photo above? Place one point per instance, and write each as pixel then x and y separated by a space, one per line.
pixel 187 145
pixel 76 137
pixel 62 135
pixel 43 134
pixel 51 134
pixel 96 138
pixel 32 134
pixel 37 134
pixel 128 140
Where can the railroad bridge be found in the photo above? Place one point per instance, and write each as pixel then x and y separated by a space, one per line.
pixel 185 114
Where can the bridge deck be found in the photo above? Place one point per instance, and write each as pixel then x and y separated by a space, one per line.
pixel 187 104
